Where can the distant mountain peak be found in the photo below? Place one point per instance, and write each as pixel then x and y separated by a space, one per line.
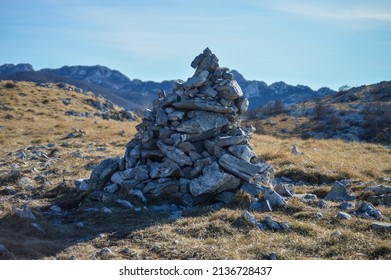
pixel 133 94
pixel 12 68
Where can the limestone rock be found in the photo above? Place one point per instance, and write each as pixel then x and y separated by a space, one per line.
pixel 367 210
pixel 381 226
pixel 201 121
pixel 242 151
pixel 102 173
pixel 200 104
pixel 339 193
pixel 239 167
pixel 344 215
pixel 213 181
pixel 274 199
pixel 231 90
pixel 174 154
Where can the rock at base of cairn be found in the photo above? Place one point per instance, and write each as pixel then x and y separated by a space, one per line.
pixel 190 148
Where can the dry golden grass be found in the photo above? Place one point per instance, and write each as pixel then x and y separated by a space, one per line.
pixel 325 160
pixel 199 234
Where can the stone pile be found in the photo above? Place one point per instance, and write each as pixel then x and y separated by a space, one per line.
pixel 190 148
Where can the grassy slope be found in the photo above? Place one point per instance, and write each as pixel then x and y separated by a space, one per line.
pixel 201 234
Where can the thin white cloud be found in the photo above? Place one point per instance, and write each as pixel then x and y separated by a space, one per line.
pixel 333 10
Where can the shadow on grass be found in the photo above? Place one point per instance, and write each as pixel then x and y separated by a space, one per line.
pixel 81 221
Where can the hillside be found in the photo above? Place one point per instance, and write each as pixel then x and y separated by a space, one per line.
pixel 358 114
pixel 44 216
pixel 126 92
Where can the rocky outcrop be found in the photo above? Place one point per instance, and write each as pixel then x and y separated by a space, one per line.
pixel 190 148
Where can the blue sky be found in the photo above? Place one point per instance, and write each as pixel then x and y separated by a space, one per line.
pixel 316 43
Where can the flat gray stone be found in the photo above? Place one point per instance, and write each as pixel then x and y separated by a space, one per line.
pixel 199 104
pixel 242 151
pixel 213 181
pixel 102 173
pixel 161 117
pixel 231 140
pixel 240 167
pixel 174 154
pixel 195 81
pixel 201 121
pixel 230 91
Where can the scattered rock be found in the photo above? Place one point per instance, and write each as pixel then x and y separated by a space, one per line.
pixel 26 182
pixel 346 206
pixel 249 218
pixel 125 203
pixel 275 200
pixel 105 251
pixel 25 214
pixel 367 210
pixel 379 190
pixel 322 204
pixel 344 215
pixel 295 150
pixel 319 216
pixel 284 190
pixel 339 193
pixel 381 226
pixel 283 226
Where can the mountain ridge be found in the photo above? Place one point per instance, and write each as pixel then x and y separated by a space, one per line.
pixel 120 89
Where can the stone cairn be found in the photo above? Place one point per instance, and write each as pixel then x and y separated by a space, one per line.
pixel 190 148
